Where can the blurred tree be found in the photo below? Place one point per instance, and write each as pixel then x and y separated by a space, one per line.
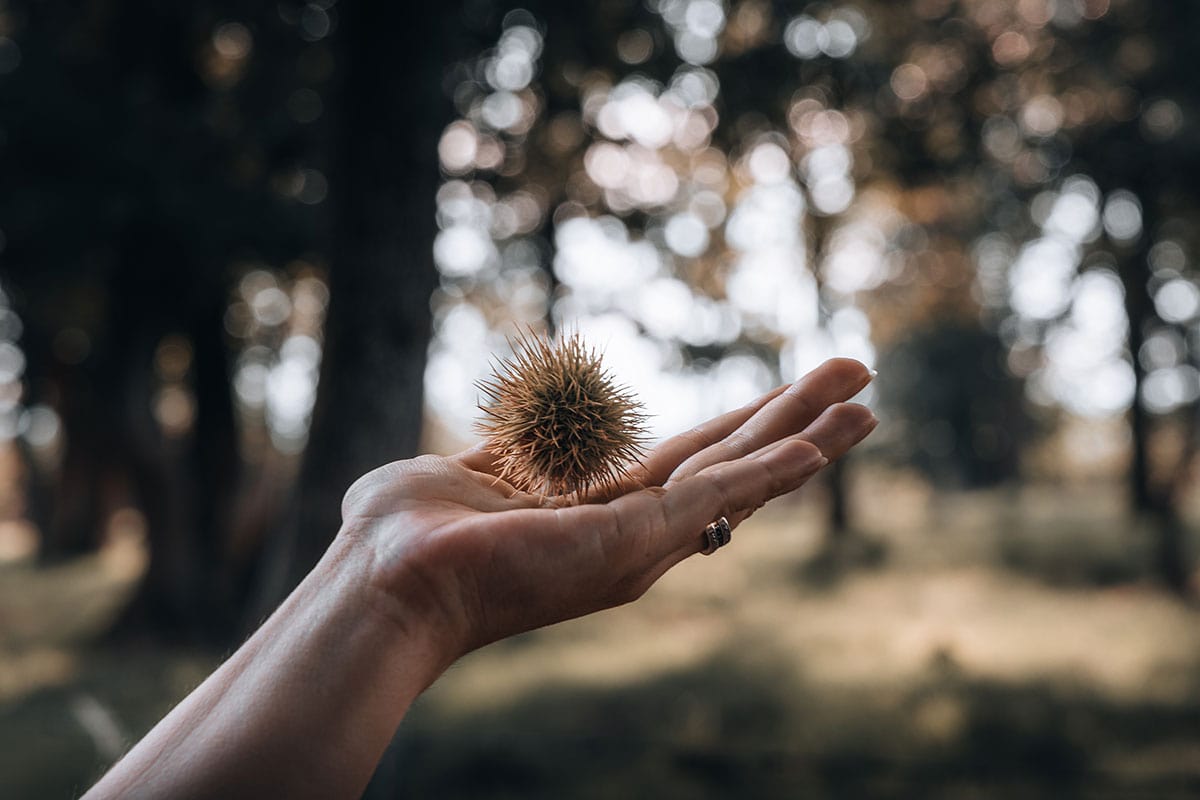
pixel 934 154
pixel 722 192
pixel 754 211
pixel 655 149
pixel 960 416
pixel 390 108
pixel 134 177
pixel 1153 154
pixel 1085 123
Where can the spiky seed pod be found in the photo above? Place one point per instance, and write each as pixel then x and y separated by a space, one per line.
pixel 557 422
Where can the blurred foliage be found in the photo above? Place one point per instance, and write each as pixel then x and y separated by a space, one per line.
pixel 726 193
pixel 212 211
pixel 231 235
pixel 153 157
pixel 961 416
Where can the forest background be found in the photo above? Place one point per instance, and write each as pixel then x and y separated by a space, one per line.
pixel 249 253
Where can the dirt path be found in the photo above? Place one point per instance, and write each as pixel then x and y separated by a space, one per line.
pixel 925 668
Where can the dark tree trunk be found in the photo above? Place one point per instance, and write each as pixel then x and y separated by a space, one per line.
pixel 835 474
pixel 1151 500
pixel 370 399
pixel 1155 501
pixel 1160 176
pixel 391 111
pixel 182 483
pixel 68 510
pixel 215 469
pixel 110 246
pixel 1138 308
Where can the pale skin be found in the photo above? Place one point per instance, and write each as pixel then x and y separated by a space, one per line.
pixel 436 557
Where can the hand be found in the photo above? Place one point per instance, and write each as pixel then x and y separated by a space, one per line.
pixel 455 558
pixel 468 558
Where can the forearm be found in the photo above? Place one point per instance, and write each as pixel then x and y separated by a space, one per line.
pixel 304 708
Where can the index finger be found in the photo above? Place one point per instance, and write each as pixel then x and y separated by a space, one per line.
pixel 776 415
pixel 834 381
pixel 658 465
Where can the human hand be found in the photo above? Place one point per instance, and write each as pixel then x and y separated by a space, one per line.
pixel 466 559
pixel 436 557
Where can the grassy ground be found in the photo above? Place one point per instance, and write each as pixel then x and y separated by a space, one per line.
pixel 962 647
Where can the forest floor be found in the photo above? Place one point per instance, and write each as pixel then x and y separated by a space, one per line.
pixel 958 646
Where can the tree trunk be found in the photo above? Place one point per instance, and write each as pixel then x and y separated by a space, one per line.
pixel 1138 307
pixel 1150 501
pixel 835 475
pixel 182 483
pixel 215 469
pixel 391 111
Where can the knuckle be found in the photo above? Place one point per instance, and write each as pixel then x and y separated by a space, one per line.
pixel 716 482
pixel 775 483
pixel 772 479
pixel 735 443
pixel 661 525
pixel 696 437
pixel 798 398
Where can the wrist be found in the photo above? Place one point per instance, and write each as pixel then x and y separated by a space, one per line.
pixel 305 708
pixel 400 604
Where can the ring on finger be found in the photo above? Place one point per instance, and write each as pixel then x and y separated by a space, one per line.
pixel 717 534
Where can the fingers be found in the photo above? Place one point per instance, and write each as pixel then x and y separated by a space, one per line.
pixel 658 465
pixel 631 541
pixel 775 415
pixel 836 431
pixel 727 489
pixel 664 525
pixel 735 489
pixel 840 428
pixel 785 415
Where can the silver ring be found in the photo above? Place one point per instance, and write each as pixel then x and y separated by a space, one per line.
pixel 716 535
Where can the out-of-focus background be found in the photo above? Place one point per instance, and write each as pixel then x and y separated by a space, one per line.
pixel 250 251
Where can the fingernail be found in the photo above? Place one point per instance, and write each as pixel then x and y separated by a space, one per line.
pixel 872 373
pixel 816 464
pixel 811 462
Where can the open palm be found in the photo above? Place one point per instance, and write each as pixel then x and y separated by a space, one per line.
pixel 487 561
